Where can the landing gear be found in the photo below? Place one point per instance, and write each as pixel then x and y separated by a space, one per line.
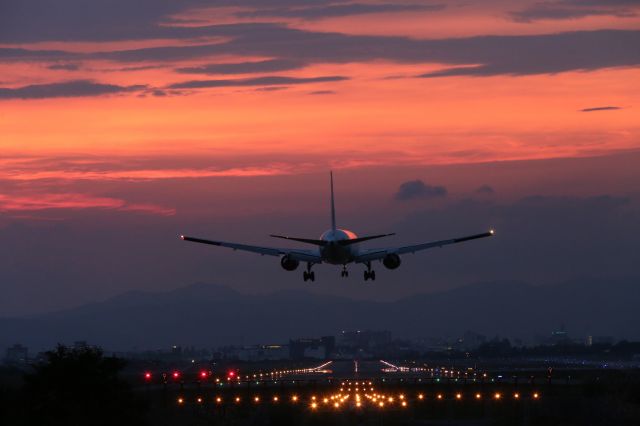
pixel 344 272
pixel 369 274
pixel 309 274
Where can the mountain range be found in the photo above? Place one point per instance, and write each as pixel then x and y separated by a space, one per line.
pixel 210 315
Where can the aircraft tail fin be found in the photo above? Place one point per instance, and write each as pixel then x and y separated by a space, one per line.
pixel 333 207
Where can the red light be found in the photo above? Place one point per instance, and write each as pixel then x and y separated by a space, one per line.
pixel 176 374
pixel 147 375
pixel 203 374
pixel 232 373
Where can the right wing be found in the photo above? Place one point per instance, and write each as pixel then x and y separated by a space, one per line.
pixel 301 255
pixel 375 254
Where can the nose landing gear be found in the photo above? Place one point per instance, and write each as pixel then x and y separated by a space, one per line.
pixel 369 274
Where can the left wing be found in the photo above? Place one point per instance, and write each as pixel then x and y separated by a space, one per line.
pixel 301 255
pixel 376 254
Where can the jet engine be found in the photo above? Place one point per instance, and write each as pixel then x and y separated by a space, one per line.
pixel 391 261
pixel 288 263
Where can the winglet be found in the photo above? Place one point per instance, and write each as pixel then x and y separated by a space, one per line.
pixel 333 207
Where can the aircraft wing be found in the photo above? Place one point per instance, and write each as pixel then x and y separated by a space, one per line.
pixel 377 254
pixel 301 255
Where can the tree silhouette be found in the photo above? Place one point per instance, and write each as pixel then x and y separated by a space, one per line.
pixel 80 387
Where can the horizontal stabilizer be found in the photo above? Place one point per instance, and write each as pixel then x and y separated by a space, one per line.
pixel 302 240
pixel 361 239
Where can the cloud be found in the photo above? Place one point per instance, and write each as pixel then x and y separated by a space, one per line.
pixel 573 9
pixel 49 201
pixel 68 66
pixel 485 189
pixel 338 10
pixel 323 92
pixel 270 65
pixel 480 55
pixel 550 53
pixel 602 108
pixel 258 81
pixel 417 189
pixel 74 88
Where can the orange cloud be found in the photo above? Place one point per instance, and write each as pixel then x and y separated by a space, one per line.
pixel 74 201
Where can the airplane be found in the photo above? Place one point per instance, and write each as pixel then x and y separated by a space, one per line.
pixel 337 247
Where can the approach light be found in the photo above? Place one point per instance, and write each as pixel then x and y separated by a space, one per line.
pixel 516 395
pixel 404 403
pixel 478 396
pixel 275 399
pixel 256 399
pixel 180 401
pixel 314 405
pixel 237 399
pixel 497 396
pixel 218 400
pixel 458 396
pixel 536 395
pixel 294 398
pixel 199 400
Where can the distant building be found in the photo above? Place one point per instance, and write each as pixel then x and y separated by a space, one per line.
pixel 321 348
pixel 17 355
pixel 263 353
pixel 365 340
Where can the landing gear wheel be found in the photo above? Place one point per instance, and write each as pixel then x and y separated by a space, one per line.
pixel 312 276
pixel 369 274
pixel 344 272
pixel 305 276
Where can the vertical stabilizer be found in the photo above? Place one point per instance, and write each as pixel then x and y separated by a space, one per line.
pixel 333 207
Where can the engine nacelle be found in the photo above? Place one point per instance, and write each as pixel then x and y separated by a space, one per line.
pixel 391 261
pixel 288 263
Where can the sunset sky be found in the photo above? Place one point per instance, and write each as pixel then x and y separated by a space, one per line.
pixel 125 123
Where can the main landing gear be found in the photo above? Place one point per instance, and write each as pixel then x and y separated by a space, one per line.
pixel 344 272
pixel 309 274
pixel 369 274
